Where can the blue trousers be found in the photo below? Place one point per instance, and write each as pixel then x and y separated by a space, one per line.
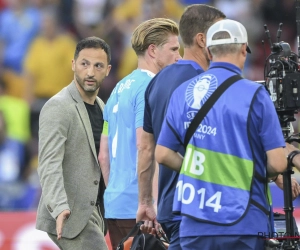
pixel 172 231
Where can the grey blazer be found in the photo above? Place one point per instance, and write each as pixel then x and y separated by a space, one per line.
pixel 68 167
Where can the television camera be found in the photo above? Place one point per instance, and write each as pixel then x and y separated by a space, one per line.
pixel 282 80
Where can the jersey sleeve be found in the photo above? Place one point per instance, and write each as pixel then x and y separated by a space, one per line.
pixel 105 128
pixel 264 114
pixel 170 134
pixel 105 116
pixel 147 114
pixel 139 106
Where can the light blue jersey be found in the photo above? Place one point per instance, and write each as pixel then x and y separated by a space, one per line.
pixel 124 113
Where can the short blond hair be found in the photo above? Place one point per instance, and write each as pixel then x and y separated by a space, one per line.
pixel 154 31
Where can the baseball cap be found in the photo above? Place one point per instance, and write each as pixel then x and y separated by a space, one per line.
pixel 236 30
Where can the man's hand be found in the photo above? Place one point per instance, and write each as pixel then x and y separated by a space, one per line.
pixel 60 221
pixel 289 148
pixel 154 228
pixel 147 214
pixel 295 185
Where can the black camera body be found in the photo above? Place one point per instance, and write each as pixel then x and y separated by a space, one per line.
pixel 282 80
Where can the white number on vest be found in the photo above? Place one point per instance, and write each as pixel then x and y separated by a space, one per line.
pixel 213 201
pixel 188 189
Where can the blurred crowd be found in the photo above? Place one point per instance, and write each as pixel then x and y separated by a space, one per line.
pixel 37 41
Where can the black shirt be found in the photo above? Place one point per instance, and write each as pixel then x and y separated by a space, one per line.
pixel 96 119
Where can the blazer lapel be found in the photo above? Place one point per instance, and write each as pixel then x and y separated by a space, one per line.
pixel 84 117
pixel 100 103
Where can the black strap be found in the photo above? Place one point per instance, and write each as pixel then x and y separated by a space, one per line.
pixel 261 207
pixel 260 178
pixel 132 232
pixel 291 157
pixel 207 106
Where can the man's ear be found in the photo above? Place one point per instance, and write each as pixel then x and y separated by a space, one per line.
pixel 108 69
pixel 73 65
pixel 244 49
pixel 201 40
pixel 151 50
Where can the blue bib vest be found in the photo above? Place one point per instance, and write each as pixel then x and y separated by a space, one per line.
pixel 215 182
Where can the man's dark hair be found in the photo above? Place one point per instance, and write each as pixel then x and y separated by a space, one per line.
pixel 93 42
pixel 197 18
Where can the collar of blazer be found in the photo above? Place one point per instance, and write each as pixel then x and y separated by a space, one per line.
pixel 84 115
pixel 76 95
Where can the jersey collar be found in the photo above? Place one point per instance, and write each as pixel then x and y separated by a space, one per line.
pixel 229 66
pixel 195 65
pixel 148 72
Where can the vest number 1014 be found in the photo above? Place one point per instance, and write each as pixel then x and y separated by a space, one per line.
pixel 186 194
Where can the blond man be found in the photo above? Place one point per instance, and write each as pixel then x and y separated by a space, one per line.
pixel 156 45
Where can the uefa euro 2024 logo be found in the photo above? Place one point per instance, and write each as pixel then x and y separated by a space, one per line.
pixel 200 89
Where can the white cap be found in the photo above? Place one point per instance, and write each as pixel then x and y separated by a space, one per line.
pixel 236 30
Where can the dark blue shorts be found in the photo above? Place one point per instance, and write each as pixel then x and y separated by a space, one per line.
pixel 172 231
pixel 230 242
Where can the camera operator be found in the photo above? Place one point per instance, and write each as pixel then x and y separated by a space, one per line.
pixel 220 193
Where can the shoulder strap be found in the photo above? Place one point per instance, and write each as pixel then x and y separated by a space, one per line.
pixel 207 106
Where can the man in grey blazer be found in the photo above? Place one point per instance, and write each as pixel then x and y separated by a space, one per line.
pixel 69 131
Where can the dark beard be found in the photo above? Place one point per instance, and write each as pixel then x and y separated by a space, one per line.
pixel 81 84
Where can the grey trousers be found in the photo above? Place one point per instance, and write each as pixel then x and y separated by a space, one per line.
pixel 91 237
